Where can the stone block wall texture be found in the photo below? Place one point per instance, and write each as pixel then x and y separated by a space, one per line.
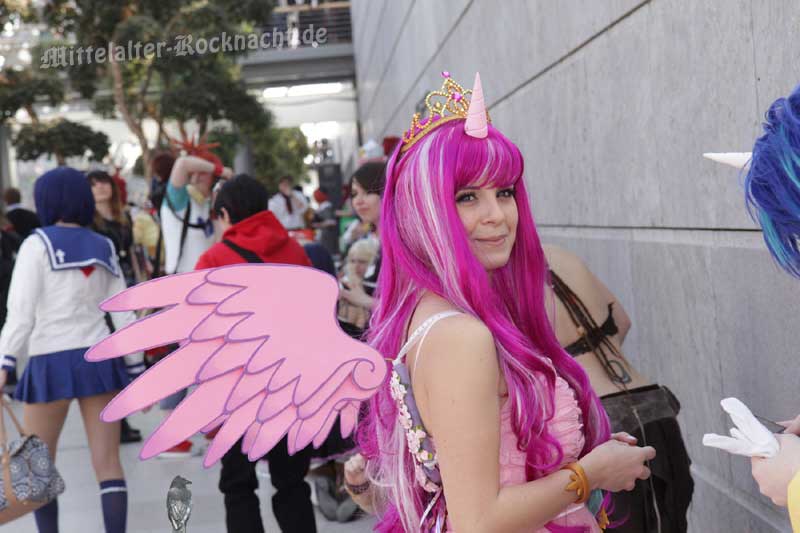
pixel 612 103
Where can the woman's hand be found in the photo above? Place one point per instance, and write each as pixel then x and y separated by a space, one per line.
pixel 3 379
pixel 625 438
pixel 773 475
pixel 227 173
pixel 792 426
pixel 616 465
pixel 356 296
pixel 360 231
pixel 355 470
pixel 354 475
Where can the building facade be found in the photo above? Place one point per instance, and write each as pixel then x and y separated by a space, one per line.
pixel 612 104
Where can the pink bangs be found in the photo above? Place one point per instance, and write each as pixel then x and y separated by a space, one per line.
pixel 493 162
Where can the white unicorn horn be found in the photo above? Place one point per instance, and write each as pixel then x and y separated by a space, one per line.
pixel 476 125
pixel 734 159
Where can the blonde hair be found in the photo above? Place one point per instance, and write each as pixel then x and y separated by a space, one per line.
pixel 366 248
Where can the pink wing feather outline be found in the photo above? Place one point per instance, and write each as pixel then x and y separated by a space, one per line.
pixel 262 345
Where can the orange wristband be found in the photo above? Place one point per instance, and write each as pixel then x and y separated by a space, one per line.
pixel 578 482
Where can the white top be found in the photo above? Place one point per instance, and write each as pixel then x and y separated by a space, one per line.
pixel 53 311
pixel 196 242
pixel 293 220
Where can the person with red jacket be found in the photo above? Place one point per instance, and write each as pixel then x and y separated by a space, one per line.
pixel 248 224
pixel 252 234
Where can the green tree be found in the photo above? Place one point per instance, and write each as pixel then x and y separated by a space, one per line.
pixel 61 139
pixel 276 152
pixel 21 89
pixel 176 86
pixel 11 10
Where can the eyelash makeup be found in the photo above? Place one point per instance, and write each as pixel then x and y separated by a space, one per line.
pixel 463 197
pixel 507 193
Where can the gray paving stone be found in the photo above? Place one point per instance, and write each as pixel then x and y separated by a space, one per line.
pixel 148 481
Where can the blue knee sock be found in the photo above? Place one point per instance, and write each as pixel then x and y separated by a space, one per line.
pixel 114 496
pixel 47 517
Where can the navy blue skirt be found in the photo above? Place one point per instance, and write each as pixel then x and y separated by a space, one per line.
pixel 67 374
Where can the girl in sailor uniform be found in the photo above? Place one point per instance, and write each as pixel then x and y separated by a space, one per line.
pixel 62 274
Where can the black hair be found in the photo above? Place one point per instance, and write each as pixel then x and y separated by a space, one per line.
pixel 371 176
pixel 99 175
pixel 242 196
pixel 117 208
pixel 162 164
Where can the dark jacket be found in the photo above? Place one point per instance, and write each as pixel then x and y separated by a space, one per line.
pixel 23 221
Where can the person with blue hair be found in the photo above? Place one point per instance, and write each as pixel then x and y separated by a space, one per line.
pixel 772 186
pixel 62 274
pixel 772 197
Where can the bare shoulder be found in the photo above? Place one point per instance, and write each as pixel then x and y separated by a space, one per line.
pixel 453 329
pixel 569 267
pixel 560 258
pixel 461 329
pixel 459 345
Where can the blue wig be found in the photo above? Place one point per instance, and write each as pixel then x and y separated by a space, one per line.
pixel 64 194
pixel 772 185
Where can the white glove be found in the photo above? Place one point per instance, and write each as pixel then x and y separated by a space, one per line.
pixel 749 438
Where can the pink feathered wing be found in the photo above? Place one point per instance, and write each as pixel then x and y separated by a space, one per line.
pixel 263 347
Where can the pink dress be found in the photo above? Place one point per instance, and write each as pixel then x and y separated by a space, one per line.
pixel 566 426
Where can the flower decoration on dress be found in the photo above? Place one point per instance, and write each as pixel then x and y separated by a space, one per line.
pixel 405 417
pixel 416 436
pixel 423 480
pixel 398 390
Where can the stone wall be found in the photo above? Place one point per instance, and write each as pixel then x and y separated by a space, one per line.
pixel 612 103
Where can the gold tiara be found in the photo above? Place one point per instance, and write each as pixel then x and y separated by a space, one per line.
pixel 448 103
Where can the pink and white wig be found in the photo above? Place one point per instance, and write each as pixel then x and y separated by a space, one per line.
pixel 425 247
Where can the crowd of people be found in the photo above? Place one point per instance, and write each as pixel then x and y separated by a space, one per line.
pixel 84 243
pixel 511 405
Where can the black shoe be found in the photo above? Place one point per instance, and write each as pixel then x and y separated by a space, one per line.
pixel 128 434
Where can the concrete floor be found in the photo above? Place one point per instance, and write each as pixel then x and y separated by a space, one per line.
pixel 148 482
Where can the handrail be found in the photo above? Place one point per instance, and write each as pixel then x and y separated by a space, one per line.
pixel 309 7
pixel 334 17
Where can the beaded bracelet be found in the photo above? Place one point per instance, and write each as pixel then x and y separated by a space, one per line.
pixel 577 482
pixel 361 488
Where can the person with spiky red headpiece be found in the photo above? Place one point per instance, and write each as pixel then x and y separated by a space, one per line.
pixel 186 225
pixel 186 210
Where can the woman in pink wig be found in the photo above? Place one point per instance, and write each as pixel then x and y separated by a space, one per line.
pixel 486 423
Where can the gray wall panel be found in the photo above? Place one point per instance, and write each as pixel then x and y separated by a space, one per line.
pixel 612 104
